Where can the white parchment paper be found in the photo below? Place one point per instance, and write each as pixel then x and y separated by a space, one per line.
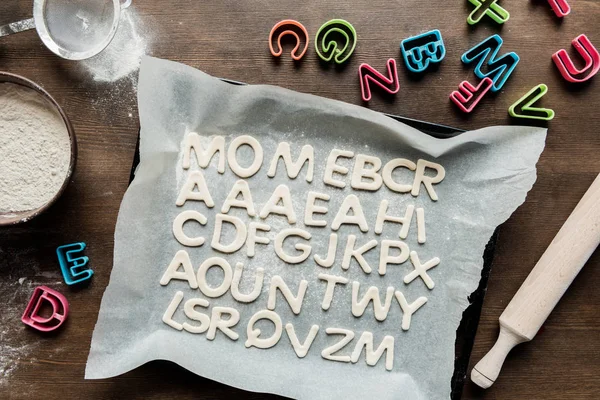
pixel 488 174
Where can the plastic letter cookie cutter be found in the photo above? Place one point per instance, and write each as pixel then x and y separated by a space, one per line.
pixel 421 50
pixel 71 265
pixel 367 73
pixel 560 7
pixel 285 28
pixel 491 8
pixel 523 107
pixel 468 96
pixel 327 48
pixel 60 309
pixel 590 56
pixel 499 68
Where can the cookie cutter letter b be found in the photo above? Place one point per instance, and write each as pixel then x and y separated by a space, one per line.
pixel 283 28
pixel 71 265
pixel 33 313
pixel 421 50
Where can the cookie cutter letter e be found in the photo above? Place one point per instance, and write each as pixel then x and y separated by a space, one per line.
pixel 560 7
pixel 590 56
pixel 71 265
pixel 421 50
pixel 326 45
pixel 491 8
pixel 60 309
pixel 285 28
pixel 367 73
pixel 468 96
pixel 523 107
pixel 499 68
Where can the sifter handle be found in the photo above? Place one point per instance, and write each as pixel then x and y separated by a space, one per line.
pixel 17 27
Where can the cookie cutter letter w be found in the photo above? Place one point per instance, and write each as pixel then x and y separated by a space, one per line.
pixel 326 45
pixel 499 68
pixel 590 56
pixel 32 315
pixel 71 265
pixel 421 50
pixel 283 28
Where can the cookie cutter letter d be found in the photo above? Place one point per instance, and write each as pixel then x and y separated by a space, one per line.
pixel 33 313
pixel 72 265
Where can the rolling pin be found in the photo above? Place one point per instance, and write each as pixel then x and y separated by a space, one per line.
pixel 548 281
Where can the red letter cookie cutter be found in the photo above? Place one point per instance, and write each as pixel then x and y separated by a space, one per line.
pixel 288 23
pixel 468 96
pixel 560 7
pixel 367 73
pixel 60 309
pixel 590 56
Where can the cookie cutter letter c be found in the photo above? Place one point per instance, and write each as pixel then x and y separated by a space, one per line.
pixel 285 28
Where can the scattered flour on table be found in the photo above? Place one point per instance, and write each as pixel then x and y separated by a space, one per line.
pixel 35 149
pixel 123 55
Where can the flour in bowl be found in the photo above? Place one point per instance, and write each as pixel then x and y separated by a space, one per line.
pixel 35 149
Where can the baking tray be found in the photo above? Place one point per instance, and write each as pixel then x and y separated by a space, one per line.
pixel 465 334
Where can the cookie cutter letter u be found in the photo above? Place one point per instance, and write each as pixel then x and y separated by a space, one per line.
pixel 590 56
pixel 283 28
pixel 33 313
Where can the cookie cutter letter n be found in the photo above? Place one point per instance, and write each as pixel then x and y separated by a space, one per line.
pixel 33 313
pixel 468 96
pixel 292 28
pixel 590 56
pixel 499 68
pixel 421 50
pixel 367 73
pixel 491 8
pixel 326 44
pixel 523 107
pixel 71 265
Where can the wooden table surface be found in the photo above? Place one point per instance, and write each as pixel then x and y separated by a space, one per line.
pixel 229 39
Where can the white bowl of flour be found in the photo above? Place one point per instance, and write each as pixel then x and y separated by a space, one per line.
pixel 38 149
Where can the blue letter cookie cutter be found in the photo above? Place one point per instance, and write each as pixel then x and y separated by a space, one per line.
pixel 499 68
pixel 71 265
pixel 421 50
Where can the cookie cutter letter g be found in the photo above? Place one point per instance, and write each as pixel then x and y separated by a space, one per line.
pixel 326 45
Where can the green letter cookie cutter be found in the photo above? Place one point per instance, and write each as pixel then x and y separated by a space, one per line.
pixel 491 8
pixel 524 105
pixel 331 47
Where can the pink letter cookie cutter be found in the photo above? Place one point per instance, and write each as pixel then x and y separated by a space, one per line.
pixel 468 96
pixel 286 24
pixel 60 309
pixel 590 56
pixel 560 7
pixel 367 73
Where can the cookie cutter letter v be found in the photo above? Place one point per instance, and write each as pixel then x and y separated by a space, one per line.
pixel 283 28
pixel 32 315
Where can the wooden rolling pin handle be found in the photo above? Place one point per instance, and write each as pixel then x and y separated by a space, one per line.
pixel 547 282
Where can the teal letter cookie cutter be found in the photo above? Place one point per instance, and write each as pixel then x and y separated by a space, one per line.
pixel 329 49
pixel 71 265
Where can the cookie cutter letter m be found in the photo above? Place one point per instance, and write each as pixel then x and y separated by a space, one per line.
pixel 326 45
pixel 33 313
pixel 499 68
pixel 421 50
pixel 284 28
pixel 71 265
